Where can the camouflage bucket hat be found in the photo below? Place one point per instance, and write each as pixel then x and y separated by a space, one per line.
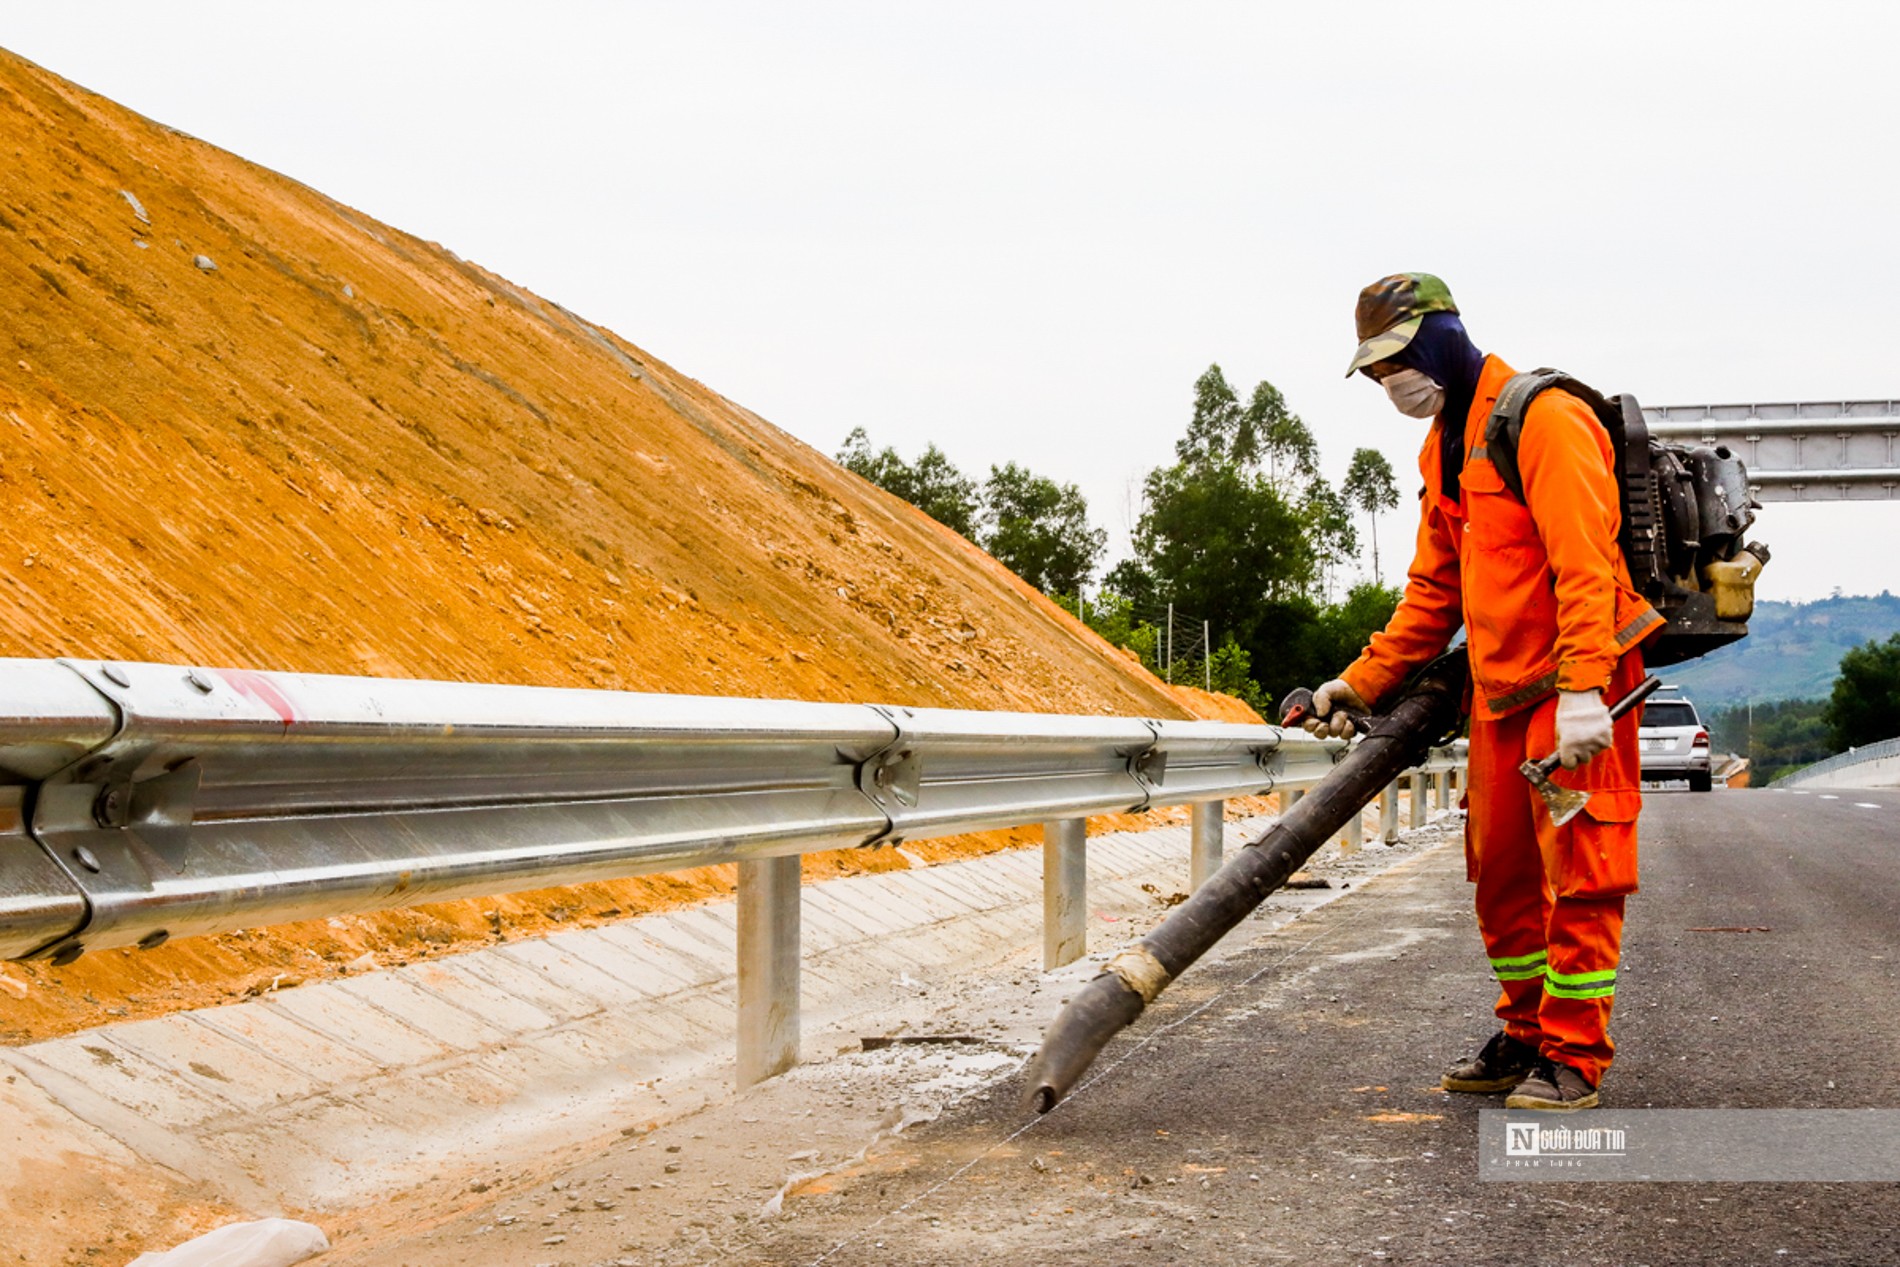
pixel 1390 311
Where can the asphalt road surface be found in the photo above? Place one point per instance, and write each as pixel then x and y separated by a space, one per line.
pixel 1282 1106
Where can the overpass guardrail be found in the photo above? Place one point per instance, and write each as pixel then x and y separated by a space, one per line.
pixel 141 802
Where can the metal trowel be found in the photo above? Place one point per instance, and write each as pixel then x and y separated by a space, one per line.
pixel 1566 802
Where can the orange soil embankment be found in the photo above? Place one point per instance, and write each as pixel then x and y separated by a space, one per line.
pixel 244 425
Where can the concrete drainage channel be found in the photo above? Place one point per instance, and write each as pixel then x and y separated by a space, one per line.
pixel 463 1084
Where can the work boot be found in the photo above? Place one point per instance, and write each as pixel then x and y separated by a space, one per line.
pixel 1553 1087
pixel 1499 1067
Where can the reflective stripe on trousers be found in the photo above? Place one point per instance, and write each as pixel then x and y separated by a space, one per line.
pixel 1550 899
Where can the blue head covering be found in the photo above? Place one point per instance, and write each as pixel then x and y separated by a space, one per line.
pixel 1444 353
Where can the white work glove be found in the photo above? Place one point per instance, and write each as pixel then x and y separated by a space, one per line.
pixel 1333 705
pixel 1583 726
pixel 1413 394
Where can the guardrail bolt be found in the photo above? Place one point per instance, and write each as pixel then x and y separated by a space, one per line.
pixel 109 809
pixel 86 858
pixel 200 681
pixel 153 940
pixel 67 953
pixel 115 675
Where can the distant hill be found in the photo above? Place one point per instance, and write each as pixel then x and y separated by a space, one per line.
pixel 1793 651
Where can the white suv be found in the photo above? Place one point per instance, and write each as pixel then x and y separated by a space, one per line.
pixel 1675 744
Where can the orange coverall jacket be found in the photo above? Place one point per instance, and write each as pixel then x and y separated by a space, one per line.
pixel 1539 585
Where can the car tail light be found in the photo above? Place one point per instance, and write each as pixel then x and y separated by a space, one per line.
pixel 1701 739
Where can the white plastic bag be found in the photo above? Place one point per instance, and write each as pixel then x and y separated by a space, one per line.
pixel 265 1243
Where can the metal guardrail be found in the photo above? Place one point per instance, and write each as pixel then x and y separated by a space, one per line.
pixel 140 802
pixel 1840 761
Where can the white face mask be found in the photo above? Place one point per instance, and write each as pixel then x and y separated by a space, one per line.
pixel 1413 394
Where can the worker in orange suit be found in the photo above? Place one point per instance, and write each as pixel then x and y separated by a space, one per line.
pixel 1553 630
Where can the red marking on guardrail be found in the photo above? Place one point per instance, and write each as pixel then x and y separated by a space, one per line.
pixel 259 687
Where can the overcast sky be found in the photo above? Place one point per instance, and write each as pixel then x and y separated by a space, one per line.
pixel 1021 230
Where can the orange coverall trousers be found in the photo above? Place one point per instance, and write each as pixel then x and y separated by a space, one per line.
pixel 1550 899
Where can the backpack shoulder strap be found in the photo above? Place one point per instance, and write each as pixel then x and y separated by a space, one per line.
pixel 1505 427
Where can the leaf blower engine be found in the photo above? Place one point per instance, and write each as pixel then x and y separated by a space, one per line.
pixel 1686 511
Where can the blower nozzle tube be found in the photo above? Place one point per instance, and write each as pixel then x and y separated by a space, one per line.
pixel 1428 709
pixel 1102 1008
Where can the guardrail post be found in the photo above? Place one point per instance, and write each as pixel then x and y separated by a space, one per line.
pixel 768 967
pixel 1204 835
pixel 1389 813
pixel 1065 897
pixel 1441 790
pixel 1289 797
pixel 1353 832
pixel 1415 782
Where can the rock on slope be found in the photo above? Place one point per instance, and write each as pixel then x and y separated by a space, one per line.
pixel 242 424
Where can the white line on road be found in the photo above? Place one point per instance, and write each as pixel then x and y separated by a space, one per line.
pixel 1867 805
pixel 1829 796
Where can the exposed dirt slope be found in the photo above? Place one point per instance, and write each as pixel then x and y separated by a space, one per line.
pixel 242 424
pixel 346 450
